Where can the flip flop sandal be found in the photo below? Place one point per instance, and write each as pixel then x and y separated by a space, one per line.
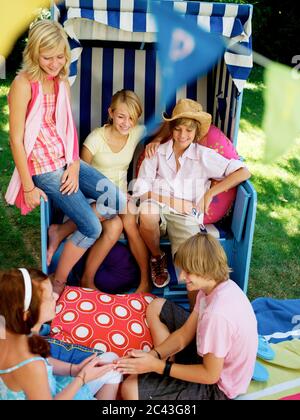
pixel 260 373
pixel 264 350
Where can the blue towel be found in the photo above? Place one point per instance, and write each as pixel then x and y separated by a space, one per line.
pixel 278 320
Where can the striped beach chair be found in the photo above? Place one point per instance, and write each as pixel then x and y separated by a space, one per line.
pixel 113 47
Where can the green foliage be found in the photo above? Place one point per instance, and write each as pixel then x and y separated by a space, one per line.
pixel 19 239
pixel 275 28
pixel 275 269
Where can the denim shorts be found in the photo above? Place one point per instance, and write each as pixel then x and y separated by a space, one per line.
pixel 92 185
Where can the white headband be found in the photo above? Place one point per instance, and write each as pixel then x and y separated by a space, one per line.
pixel 28 288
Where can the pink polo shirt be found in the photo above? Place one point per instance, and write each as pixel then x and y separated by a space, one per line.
pixel 198 165
pixel 227 328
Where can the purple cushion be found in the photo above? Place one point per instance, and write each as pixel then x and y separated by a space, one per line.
pixel 119 271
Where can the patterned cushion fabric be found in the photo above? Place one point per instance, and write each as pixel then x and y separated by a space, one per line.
pixel 101 321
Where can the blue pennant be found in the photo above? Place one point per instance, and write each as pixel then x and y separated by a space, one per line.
pixel 185 51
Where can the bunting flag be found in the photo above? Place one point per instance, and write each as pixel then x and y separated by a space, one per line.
pixel 15 17
pixel 281 118
pixel 185 51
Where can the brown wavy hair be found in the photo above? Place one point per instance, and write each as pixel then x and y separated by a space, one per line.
pixel 12 295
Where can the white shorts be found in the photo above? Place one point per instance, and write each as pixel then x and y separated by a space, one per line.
pixel 179 227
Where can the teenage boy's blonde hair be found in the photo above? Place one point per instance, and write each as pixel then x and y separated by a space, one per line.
pixel 204 256
pixel 44 35
pixel 189 123
pixel 131 100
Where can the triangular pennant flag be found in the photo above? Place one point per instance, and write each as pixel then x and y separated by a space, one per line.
pixel 281 118
pixel 185 51
pixel 15 17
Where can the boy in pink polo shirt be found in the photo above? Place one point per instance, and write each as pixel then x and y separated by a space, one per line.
pixel 220 364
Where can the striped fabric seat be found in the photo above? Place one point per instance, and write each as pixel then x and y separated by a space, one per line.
pixel 117 37
pixel 133 16
pixel 113 46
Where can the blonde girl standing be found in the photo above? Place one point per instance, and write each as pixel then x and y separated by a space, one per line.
pixel 45 148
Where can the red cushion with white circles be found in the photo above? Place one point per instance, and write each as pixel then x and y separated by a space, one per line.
pixel 102 321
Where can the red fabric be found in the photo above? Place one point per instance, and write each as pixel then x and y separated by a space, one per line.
pixel 99 320
pixel 295 397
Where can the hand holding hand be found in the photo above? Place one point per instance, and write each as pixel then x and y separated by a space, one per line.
pixel 93 369
pixel 138 362
pixel 76 368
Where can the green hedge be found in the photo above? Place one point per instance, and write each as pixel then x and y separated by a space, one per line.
pixel 275 28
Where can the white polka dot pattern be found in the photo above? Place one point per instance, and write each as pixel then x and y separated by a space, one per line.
pixel 70 316
pixel 101 321
pixel 86 306
pixel 73 296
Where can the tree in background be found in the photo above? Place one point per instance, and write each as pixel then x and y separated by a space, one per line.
pixel 275 28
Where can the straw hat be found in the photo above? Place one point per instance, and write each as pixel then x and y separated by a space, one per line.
pixel 187 108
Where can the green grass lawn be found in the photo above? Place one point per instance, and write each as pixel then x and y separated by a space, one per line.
pixel 275 264
pixel 19 236
pixel 275 267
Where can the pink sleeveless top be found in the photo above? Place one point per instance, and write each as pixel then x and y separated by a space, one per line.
pixel 48 152
pixel 66 131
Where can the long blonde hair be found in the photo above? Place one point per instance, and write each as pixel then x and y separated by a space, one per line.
pixel 131 100
pixel 44 35
pixel 204 256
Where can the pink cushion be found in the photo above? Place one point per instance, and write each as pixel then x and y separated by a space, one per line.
pixel 221 204
pixel 102 321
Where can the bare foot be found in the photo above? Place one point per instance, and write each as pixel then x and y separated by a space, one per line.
pixel 144 287
pixel 87 284
pixel 54 239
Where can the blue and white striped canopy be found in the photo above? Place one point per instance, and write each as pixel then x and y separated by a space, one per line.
pixel 134 22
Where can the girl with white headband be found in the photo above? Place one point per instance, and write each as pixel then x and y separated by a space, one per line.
pixel 26 372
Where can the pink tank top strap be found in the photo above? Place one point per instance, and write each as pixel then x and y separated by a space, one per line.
pixel 34 93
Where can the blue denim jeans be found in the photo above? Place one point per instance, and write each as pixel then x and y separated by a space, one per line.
pixel 92 185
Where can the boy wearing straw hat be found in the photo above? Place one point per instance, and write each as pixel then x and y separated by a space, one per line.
pixel 174 185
